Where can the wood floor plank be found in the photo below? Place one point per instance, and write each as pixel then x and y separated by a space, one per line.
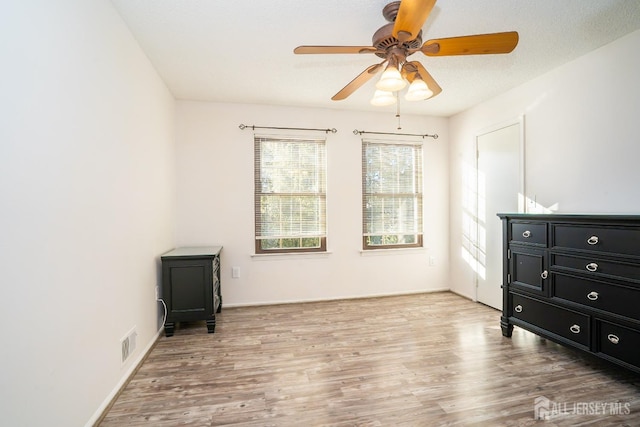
pixel 417 360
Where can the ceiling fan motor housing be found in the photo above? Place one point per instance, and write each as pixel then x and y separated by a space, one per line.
pixel 383 39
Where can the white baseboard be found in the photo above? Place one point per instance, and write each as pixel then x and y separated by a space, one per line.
pixel 347 297
pixel 469 297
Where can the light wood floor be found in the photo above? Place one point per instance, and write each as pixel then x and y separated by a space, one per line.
pixel 419 360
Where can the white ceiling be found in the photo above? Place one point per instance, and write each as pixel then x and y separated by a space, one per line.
pixel 241 51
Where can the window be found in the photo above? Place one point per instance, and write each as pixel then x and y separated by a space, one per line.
pixel 391 195
pixel 290 195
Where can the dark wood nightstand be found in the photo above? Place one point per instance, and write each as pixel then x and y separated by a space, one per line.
pixel 191 286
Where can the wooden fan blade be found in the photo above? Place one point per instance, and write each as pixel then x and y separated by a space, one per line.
pixel 354 84
pixel 334 49
pixel 479 44
pixel 427 78
pixel 410 19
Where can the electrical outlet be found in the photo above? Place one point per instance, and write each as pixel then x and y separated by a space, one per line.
pixel 432 261
pixel 235 272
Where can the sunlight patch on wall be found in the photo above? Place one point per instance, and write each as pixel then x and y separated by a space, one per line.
pixel 532 205
pixel 473 249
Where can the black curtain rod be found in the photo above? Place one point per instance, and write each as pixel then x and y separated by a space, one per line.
pixel 360 132
pixel 243 127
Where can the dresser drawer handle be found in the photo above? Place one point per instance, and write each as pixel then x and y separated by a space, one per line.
pixel 518 308
pixel 592 295
pixel 593 240
pixel 575 329
pixel 526 234
pixel 544 274
pixel 613 338
pixel 592 267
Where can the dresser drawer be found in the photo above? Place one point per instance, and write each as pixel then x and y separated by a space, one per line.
pixel 619 342
pixel 534 233
pixel 621 300
pixel 610 240
pixel 595 267
pixel 567 324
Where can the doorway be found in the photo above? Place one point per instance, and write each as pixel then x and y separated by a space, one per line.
pixel 500 180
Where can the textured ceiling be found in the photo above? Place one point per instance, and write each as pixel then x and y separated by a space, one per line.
pixel 242 50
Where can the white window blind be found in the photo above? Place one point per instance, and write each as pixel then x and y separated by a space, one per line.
pixel 391 194
pixel 290 194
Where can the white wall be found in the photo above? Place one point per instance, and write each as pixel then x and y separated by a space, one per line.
pixel 581 140
pixel 215 205
pixel 87 198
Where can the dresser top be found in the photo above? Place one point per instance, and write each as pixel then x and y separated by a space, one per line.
pixel 193 252
pixel 581 217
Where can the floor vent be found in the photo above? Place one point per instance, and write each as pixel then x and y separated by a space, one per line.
pixel 128 344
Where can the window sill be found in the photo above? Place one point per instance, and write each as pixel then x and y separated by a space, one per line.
pixel 392 251
pixel 291 255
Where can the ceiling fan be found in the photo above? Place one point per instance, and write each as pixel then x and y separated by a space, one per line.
pixel 402 37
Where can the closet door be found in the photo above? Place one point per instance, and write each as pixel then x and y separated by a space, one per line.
pixel 500 185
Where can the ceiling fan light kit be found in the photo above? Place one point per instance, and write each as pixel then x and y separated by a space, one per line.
pixel 391 80
pixel 402 37
pixel 382 98
pixel 418 91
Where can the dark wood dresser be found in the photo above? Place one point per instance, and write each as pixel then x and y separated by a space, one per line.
pixel 191 286
pixel 575 279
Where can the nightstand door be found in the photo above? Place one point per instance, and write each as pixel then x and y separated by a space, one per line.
pixel 188 289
